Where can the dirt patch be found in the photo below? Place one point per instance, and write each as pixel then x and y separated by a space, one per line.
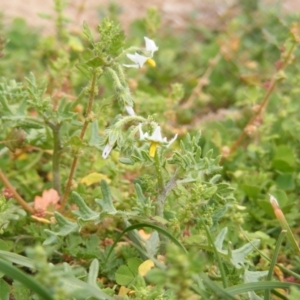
pixel 174 12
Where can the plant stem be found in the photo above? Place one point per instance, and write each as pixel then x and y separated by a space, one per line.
pixel 160 184
pixel 220 263
pixel 273 261
pixel 273 84
pixel 56 158
pixel 202 82
pixel 17 196
pixel 82 133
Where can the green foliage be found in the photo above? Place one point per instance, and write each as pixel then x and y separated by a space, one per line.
pixel 181 216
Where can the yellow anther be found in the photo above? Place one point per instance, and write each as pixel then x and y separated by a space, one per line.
pixel 152 150
pixel 151 62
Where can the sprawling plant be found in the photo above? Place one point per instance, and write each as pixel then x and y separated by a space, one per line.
pixel 110 200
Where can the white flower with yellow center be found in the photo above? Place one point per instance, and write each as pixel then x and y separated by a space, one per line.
pixel 155 139
pixel 139 60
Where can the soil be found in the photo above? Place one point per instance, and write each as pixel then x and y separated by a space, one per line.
pixel 174 12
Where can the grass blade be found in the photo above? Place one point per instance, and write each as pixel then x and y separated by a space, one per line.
pixel 28 281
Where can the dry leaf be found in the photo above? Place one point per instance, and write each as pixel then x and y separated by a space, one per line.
pixel 145 267
pixel 123 291
pixel 94 178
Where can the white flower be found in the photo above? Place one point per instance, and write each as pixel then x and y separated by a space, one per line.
pixel 130 110
pixel 155 139
pixel 106 151
pixel 139 60
pixel 150 46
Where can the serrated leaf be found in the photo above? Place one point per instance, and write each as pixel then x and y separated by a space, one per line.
pixel 94 178
pixel 106 203
pixel 65 227
pixel 239 255
pixel 145 267
pixel 254 276
pixel 84 213
pixel 152 244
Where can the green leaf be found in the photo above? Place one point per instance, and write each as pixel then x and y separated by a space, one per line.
pixel 140 196
pixel 14 273
pixel 21 292
pixel 286 181
pixel 133 264
pixel 284 159
pixel 81 290
pixel 238 257
pixel 220 239
pixel 256 286
pixel 251 190
pixel 95 138
pixel 96 62
pixel 124 275
pixel 84 213
pixel 87 32
pixel 4 290
pixel 106 203
pixel 17 259
pixel 93 273
pixel 142 225
pixel 64 226
pixel 156 276
pixel 152 244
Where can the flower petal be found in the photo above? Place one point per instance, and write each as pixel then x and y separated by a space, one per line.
pixel 130 110
pixel 137 58
pixel 132 66
pixel 173 140
pixel 150 45
pixel 156 135
pixel 142 135
pixel 106 151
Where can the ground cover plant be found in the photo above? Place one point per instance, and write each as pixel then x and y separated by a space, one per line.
pixel 153 165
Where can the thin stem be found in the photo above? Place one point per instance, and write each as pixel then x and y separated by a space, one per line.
pixel 202 81
pixel 82 133
pixel 16 195
pixel 160 184
pixel 262 106
pixel 56 158
pixel 220 263
pixel 273 261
